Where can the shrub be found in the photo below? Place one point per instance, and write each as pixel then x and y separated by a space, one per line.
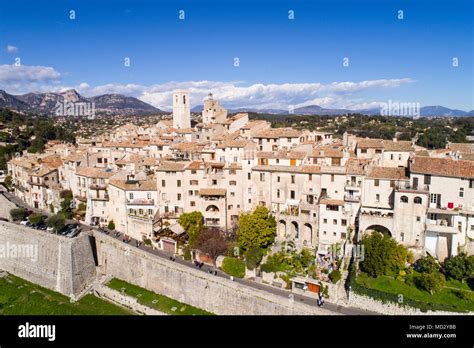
pixel 233 267
pixel 35 219
pixel 147 241
pixel 111 225
pixel 427 265
pixel 459 267
pixel 253 256
pixel 18 213
pixel 187 253
pixel 56 221
pixel 81 206
pixel 431 282
pixel 335 276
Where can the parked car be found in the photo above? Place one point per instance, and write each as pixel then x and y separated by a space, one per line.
pixel 74 232
pixel 24 222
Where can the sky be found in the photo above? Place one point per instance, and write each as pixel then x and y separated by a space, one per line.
pixel 261 53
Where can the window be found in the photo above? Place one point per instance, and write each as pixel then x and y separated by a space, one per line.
pixel 292 179
pixel 278 193
pixel 344 222
pixel 403 199
pixel 249 190
pixel 378 151
pixel 262 177
pixel 427 179
pixel 461 192
pixel 163 196
pixel 324 232
pixel 232 194
pixel 193 182
pixel 130 195
pixel 179 196
pixel 232 171
pixel 391 157
pixel 377 198
pixel 418 219
pixel 214 182
pixel 417 200
pixel 163 183
pixel 232 183
pixel 471 183
pixel 392 183
pixel 376 182
pixel 310 177
pixel 193 171
pixel 334 221
pixel 363 151
pixel 249 176
pixel 192 203
pixel 325 221
pixel 190 192
pixel 332 177
pixel 292 194
pixel 150 211
pixel 229 207
pixel 148 196
pixel 433 197
pixel 178 183
pixel 278 179
pixel 334 234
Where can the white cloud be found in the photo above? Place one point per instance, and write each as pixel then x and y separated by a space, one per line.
pixel 11 49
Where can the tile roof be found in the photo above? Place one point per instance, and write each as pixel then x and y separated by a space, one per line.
pixel 212 192
pixel 442 167
pixel 130 185
pixel 93 172
pixel 357 166
pixel 286 132
pixel 393 173
pixel 172 166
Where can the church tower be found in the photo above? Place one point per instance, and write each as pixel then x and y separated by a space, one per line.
pixel 181 109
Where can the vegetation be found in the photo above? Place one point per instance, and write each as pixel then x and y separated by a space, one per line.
pixel 66 204
pixel 35 219
pixel 459 267
pixel 18 214
pixel 335 276
pixel 111 225
pixel 257 229
pixel 233 267
pixel 154 300
pixel 193 224
pixel 20 297
pixel 431 282
pixel 383 255
pixel 212 242
pixel 253 257
pixel 56 221
pixel 290 262
pixel 427 265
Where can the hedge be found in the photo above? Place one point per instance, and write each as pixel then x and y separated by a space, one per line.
pixel 234 267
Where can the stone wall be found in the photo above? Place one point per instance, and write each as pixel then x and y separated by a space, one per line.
pixel 189 285
pixel 116 297
pixel 62 264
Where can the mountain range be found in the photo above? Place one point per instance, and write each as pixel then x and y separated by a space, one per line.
pixel 47 103
pixel 117 104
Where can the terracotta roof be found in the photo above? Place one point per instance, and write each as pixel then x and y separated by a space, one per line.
pixel 93 172
pixel 461 147
pixel 128 185
pixel 442 167
pixel 327 151
pixel 387 173
pixel 357 166
pixel 212 192
pixel 282 154
pixel 398 146
pixel 279 133
pixel 329 201
pixel 172 166
pixel 368 143
pixel 195 165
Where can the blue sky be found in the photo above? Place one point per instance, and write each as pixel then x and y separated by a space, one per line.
pixel 282 62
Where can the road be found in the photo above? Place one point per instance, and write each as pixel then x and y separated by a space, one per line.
pixel 271 289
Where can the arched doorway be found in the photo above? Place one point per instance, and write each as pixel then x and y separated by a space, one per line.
pixel 295 231
pixel 282 228
pixel 308 233
pixel 378 228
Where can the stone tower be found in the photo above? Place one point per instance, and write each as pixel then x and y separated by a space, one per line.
pixel 181 109
pixel 213 112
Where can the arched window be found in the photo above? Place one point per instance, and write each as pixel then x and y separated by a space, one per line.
pixel 404 199
pixel 417 200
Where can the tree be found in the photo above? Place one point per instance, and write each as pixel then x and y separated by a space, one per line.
pixel 8 182
pixel 56 221
pixel 427 264
pixel 432 282
pixel 257 229
pixel 193 224
pixel 111 225
pixel 253 256
pixel 66 207
pixel 18 213
pixel 212 242
pixel 335 276
pixel 35 219
pixel 382 254
pixel 459 267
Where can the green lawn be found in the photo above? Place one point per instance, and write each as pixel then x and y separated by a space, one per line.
pixel 20 297
pixel 153 300
pixel 446 296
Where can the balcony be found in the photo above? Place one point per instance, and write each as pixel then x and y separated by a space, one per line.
pixel 98 186
pixel 440 226
pixel 140 201
pixel 408 187
pixel 104 197
pixel 353 185
pixel 351 198
pixel 146 218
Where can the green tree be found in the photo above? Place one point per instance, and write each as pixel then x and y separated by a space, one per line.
pixel 382 254
pixel 66 207
pixel 432 282
pixel 193 224
pixel 111 225
pixel 253 256
pixel 459 267
pixel 335 276
pixel 35 219
pixel 18 213
pixel 8 182
pixel 257 229
pixel 427 264
pixel 56 221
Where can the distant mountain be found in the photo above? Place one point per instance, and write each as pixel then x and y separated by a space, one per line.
pixel 107 104
pixel 441 111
